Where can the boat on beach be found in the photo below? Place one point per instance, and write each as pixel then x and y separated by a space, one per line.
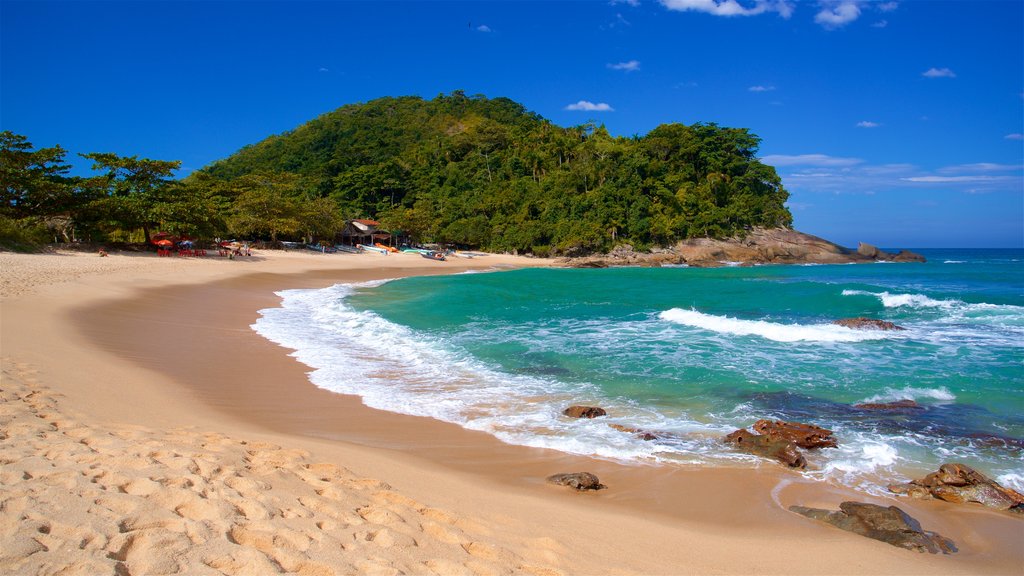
pixel 433 256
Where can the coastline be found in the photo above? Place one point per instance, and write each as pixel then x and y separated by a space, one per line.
pixel 161 351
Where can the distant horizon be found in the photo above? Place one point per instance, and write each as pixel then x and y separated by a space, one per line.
pixel 900 124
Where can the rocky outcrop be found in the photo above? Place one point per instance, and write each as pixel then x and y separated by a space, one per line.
pixel 897 406
pixel 803 435
pixel 861 323
pixel 888 524
pixel 577 480
pixel 756 246
pixel 584 412
pixel 960 483
pixel 782 450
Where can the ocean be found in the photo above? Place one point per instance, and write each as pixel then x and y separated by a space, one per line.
pixel 691 355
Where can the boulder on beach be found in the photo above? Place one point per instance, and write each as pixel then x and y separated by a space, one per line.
pixel 888 524
pixel 803 435
pixel 577 480
pixel 959 483
pixel 777 449
pixel 868 323
pixel 584 412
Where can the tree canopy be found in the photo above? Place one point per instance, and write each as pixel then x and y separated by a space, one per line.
pixel 487 173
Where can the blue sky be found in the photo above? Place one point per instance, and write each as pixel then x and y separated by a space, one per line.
pixel 895 123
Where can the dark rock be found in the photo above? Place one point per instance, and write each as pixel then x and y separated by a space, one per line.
pixel 888 524
pixel 577 480
pixel 870 323
pixel 960 483
pixel 641 434
pixel 803 435
pixel 588 263
pixel 905 404
pixel 584 412
pixel 908 256
pixel 782 450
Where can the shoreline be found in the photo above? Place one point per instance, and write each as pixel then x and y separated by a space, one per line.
pixel 218 374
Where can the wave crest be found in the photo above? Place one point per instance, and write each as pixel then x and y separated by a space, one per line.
pixel 770 330
pixel 910 393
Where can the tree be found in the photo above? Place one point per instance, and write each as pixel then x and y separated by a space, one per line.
pixel 33 183
pixel 266 205
pixel 134 188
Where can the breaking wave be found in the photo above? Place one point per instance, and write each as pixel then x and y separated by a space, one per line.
pixel 770 330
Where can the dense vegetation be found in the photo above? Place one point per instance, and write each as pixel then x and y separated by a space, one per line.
pixel 459 169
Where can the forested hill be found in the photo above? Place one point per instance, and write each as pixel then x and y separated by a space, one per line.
pixel 488 173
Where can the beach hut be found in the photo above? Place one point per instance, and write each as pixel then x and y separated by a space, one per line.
pixel 362 232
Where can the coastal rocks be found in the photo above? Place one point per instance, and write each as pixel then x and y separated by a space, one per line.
pixel 803 435
pixel 869 251
pixel 861 323
pixel 887 524
pixel 584 412
pixel 782 450
pixel 959 483
pixel 897 406
pixel 908 256
pixel 577 480
pixel 755 246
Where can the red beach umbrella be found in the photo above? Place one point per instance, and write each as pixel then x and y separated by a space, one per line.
pixel 163 243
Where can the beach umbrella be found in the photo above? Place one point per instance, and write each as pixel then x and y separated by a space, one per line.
pixel 164 243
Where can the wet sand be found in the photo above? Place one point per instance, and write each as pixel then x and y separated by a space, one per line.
pixel 179 353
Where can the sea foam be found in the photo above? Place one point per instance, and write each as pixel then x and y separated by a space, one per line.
pixel 770 330
pixel 942 395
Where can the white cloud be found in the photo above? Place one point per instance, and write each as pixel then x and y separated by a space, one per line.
pixel 731 7
pixel 586 106
pixel 821 173
pixel 1014 136
pixel 954 179
pixel 836 13
pixel 867 124
pixel 887 6
pixel 761 88
pixel 322 69
pixel 633 3
pixel 483 28
pixel 981 167
pixel 820 160
pixel 938 73
pixel 880 24
pixel 630 66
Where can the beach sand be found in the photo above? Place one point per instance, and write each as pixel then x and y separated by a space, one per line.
pixel 146 429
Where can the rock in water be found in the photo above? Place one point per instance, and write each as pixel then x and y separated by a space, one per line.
pixel 870 323
pixel 960 483
pixel 908 256
pixel 782 450
pixel 584 412
pixel 803 435
pixel 577 480
pixel 641 434
pixel 888 524
pixel 905 404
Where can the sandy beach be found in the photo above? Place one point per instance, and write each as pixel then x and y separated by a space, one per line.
pixel 148 430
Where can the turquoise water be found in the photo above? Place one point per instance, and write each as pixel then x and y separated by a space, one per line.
pixel 693 354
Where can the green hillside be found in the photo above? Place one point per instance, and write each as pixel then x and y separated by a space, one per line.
pixel 488 173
